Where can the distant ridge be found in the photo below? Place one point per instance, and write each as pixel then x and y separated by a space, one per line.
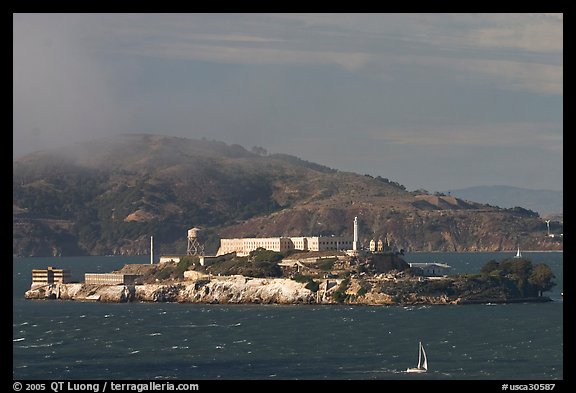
pixel 544 202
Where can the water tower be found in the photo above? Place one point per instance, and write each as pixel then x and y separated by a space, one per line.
pixel 194 246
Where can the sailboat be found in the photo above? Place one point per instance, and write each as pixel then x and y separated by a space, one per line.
pixel 518 254
pixel 422 361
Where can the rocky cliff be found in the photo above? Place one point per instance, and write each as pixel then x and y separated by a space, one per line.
pixel 246 290
pixel 233 289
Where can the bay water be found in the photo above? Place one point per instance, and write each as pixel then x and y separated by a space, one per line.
pixel 56 340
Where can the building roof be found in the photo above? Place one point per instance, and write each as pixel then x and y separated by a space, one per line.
pixel 429 264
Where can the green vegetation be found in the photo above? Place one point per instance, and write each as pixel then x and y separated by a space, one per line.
pixel 165 273
pixel 363 291
pixel 300 278
pixel 259 263
pixel 310 283
pixel 185 264
pixel 435 288
pixel 326 264
pixel 246 268
pixel 339 295
pixel 519 275
pixel 263 255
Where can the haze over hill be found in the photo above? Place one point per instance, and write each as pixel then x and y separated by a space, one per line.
pixel 544 202
pixel 110 195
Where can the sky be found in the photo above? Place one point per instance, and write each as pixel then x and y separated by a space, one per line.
pixel 431 101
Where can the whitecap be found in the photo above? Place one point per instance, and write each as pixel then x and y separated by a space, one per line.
pixel 155 334
pixel 133 352
pixel 39 346
pixel 19 339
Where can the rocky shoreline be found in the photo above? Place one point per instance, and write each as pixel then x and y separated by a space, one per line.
pixel 247 290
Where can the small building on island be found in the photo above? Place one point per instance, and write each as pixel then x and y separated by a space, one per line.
pixel 170 258
pixel 110 278
pixel 432 269
pixel 50 276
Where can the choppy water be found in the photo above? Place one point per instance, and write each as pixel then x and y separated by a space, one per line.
pixel 76 340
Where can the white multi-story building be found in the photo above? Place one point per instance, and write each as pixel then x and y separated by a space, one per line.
pixel 243 246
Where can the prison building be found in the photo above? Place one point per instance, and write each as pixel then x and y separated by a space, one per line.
pixel 243 246
pixel 50 276
pixel 110 278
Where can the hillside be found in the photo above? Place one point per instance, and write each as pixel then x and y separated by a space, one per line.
pixel 545 202
pixel 108 196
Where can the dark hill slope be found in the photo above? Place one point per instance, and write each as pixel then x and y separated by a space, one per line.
pixel 108 196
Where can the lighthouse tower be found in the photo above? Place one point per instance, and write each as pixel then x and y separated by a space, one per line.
pixel 355 242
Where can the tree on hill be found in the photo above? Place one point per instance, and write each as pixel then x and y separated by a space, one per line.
pixel 263 255
pixel 530 280
pixel 490 267
pixel 541 278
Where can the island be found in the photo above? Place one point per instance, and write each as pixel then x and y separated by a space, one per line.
pixel 269 277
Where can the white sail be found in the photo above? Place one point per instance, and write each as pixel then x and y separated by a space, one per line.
pixel 425 364
pixel 518 254
pixel 422 361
